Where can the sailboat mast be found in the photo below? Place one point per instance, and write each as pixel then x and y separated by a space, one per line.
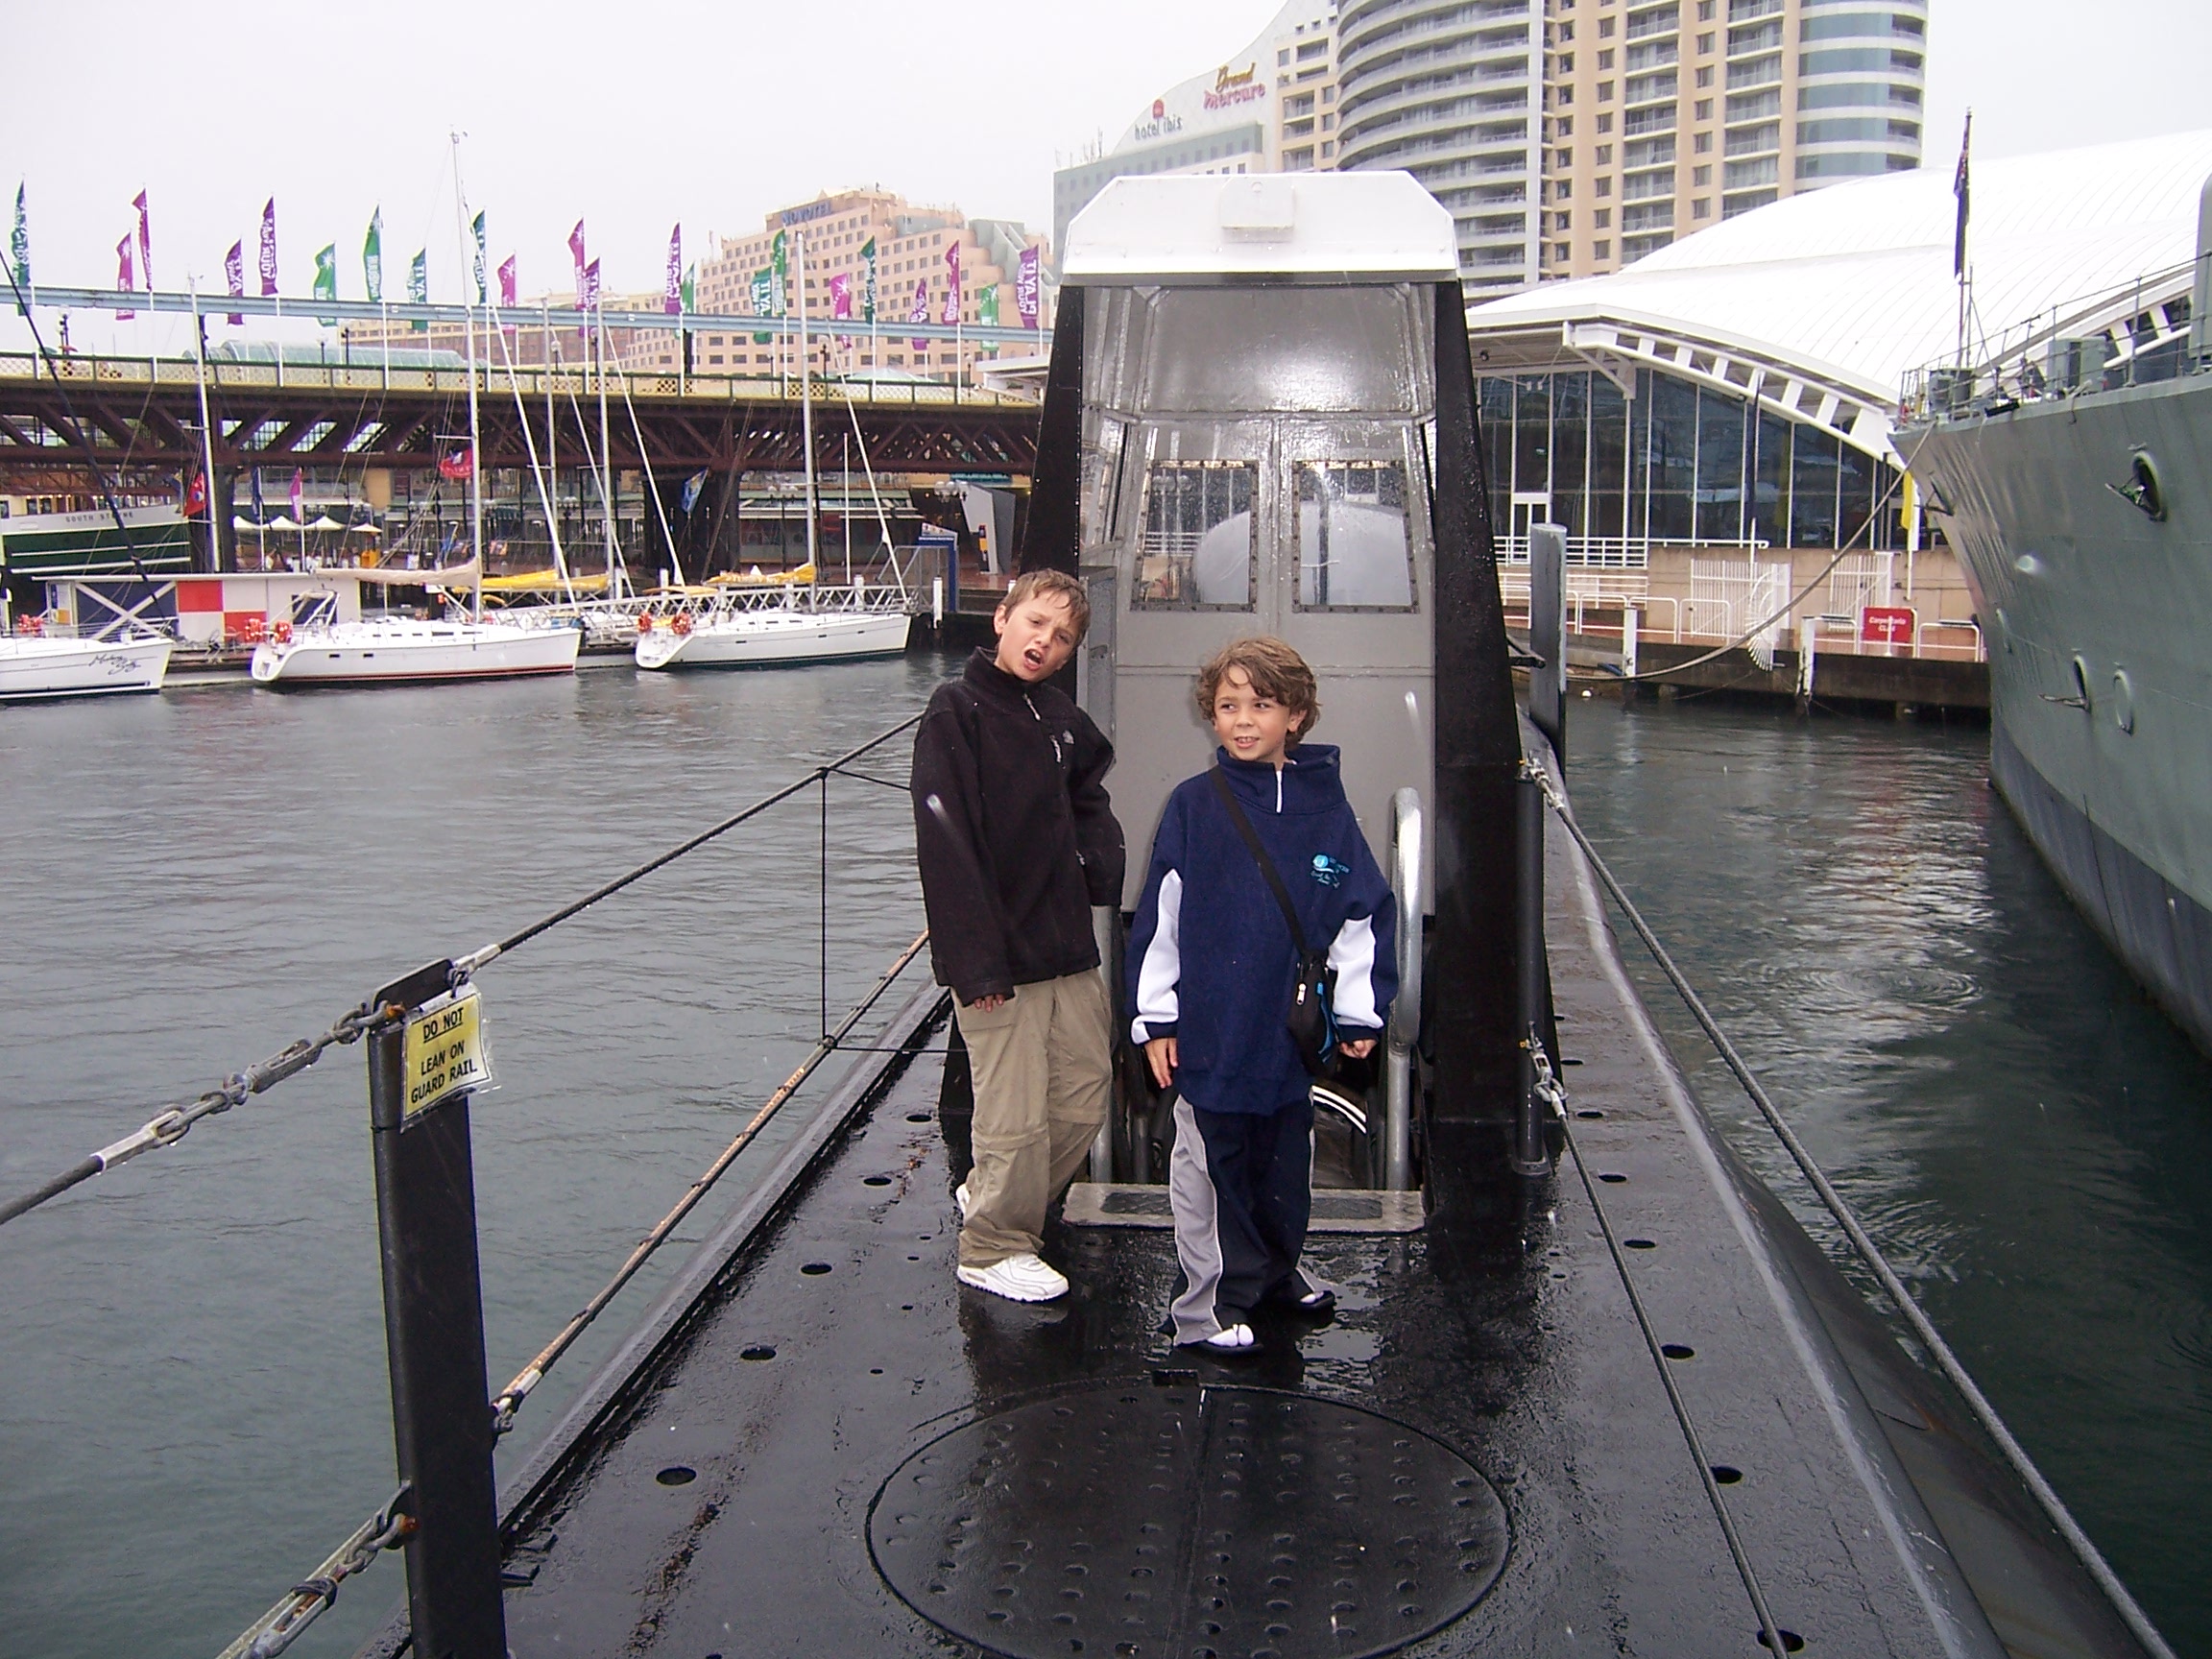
pixel 805 398
pixel 475 422
pixel 606 456
pixel 207 432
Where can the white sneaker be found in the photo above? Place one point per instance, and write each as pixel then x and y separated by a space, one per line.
pixel 1234 1340
pixel 960 1199
pixel 1021 1277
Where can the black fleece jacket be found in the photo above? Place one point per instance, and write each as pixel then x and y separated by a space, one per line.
pixel 1015 835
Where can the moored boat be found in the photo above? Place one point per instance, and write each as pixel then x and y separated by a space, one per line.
pixel 397 650
pixel 37 666
pixel 768 637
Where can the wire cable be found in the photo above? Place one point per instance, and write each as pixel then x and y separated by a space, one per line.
pixel 2053 1508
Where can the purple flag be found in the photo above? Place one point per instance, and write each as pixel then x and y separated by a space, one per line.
pixel 576 252
pixel 920 311
pixel 951 284
pixel 269 247
pixel 145 239
pixel 1027 288
pixel 507 283
pixel 234 268
pixel 123 278
pixel 672 299
pixel 592 285
pixel 841 301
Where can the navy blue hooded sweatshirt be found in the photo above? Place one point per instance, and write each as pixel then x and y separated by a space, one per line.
pixel 1210 958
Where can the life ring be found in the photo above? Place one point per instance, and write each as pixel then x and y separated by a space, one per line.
pixel 682 625
pixel 30 627
pixel 280 631
pixel 644 622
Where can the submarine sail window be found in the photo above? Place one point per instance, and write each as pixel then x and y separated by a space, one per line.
pixel 1355 548
pixel 1202 538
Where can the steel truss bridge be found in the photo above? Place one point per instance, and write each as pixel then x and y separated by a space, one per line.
pixel 358 411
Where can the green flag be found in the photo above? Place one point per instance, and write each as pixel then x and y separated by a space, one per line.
pixel 477 226
pixel 779 267
pixel 372 257
pixel 867 281
pixel 763 301
pixel 19 250
pixel 326 280
pixel 987 306
pixel 419 288
pixel 690 290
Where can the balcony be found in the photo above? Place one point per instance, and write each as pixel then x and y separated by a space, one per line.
pixel 1756 72
pixel 1650 89
pixel 1648 216
pixel 1663 20
pixel 1752 141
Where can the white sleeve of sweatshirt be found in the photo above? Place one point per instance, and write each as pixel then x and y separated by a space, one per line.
pixel 1353 956
pixel 1160 976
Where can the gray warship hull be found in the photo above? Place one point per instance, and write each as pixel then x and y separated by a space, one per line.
pixel 2093 607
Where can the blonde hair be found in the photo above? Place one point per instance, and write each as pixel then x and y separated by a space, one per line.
pixel 1275 671
pixel 1051 585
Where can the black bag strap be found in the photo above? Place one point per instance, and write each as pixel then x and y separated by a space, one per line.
pixel 1260 858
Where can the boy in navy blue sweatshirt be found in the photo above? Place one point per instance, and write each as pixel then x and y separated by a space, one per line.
pixel 1210 967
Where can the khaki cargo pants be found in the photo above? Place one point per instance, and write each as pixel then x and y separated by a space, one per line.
pixel 1040 1066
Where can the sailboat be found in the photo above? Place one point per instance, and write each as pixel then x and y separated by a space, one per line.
pixel 407 650
pixel 37 664
pixel 809 624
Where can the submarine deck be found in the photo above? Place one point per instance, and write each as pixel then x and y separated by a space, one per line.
pixel 820 1431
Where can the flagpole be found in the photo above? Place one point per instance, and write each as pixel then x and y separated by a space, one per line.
pixel 207 432
pixel 807 401
pixel 606 453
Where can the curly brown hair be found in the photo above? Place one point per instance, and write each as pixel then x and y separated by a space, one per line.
pixel 1274 670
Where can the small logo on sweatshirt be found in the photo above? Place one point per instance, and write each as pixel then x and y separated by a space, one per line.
pixel 1329 872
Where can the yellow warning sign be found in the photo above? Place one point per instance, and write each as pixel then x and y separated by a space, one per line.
pixel 446 1052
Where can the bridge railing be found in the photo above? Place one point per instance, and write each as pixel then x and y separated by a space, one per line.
pixel 366 371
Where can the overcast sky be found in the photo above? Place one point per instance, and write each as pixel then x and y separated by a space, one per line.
pixel 633 119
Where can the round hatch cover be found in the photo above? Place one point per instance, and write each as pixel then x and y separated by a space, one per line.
pixel 1181 1522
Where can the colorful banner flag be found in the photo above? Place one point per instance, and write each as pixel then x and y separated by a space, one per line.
pixel 920 311
pixel 455 464
pixel 987 306
pixel 145 239
pixel 763 301
pixel 867 281
pixel 507 283
pixel 19 249
pixel 780 266
pixel 672 301
pixel 196 494
pixel 327 279
pixel 298 497
pixel 372 256
pixel 1028 286
pixel 576 253
pixel 692 484
pixel 260 513
pixel 952 315
pixel 124 280
pixel 1958 188
pixel 419 288
pixel 476 226
pixel 235 274
pixel 591 286
pixel 690 290
pixel 269 248
pixel 841 301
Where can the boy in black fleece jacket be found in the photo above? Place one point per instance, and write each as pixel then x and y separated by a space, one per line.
pixel 1017 840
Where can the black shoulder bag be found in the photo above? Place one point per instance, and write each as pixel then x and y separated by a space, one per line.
pixel 1312 1020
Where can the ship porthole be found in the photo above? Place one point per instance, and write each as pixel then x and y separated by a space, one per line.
pixel 2081 683
pixel 2123 701
pixel 2144 490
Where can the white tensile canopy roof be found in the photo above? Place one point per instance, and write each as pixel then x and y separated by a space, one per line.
pixel 1845 289
pixel 1342 227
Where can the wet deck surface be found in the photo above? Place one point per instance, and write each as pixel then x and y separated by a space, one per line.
pixel 732 1512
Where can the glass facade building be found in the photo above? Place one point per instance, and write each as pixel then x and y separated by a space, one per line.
pixel 1678 461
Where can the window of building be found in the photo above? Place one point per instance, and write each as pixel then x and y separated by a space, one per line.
pixel 1605 59
pixel 1602 219
pixel 1328 94
pixel 1354 543
pixel 1562 190
pixel 1566 33
pixel 1705 76
pixel 1600 249
pixel 1200 537
pixel 1563 253
pixel 1704 11
pixel 1564 222
pixel 1605 28
pixel 1283 57
pixel 1312 50
pixel 1566 127
pixel 1604 96
pixel 1700 177
pixel 1702 206
pixel 1328 123
pixel 1704 109
pixel 1565 62
pixel 715 359
pixel 1604 187
pixel 1565 94
pixel 1604 123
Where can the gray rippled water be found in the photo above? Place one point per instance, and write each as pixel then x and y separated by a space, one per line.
pixel 191 1347
pixel 2024 1135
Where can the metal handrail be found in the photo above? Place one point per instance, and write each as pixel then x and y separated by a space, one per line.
pixel 1408 852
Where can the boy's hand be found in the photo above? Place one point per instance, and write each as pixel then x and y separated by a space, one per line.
pixel 1359 1049
pixel 1159 1051
pixel 985 1004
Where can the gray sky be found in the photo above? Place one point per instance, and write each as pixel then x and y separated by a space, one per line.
pixel 633 120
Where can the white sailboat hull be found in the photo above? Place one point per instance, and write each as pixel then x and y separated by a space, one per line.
pixel 40 667
pixel 764 637
pixel 404 653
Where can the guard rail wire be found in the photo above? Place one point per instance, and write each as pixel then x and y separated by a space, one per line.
pixel 1869 1252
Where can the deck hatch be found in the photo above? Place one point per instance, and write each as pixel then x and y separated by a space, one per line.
pixel 1141 1521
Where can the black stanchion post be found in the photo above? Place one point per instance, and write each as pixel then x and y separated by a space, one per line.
pixel 434 1335
pixel 1548 635
pixel 1530 1152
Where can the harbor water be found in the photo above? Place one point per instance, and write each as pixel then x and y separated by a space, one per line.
pixel 192 1345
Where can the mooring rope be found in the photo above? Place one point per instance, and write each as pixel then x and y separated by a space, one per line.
pixel 2053 1508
